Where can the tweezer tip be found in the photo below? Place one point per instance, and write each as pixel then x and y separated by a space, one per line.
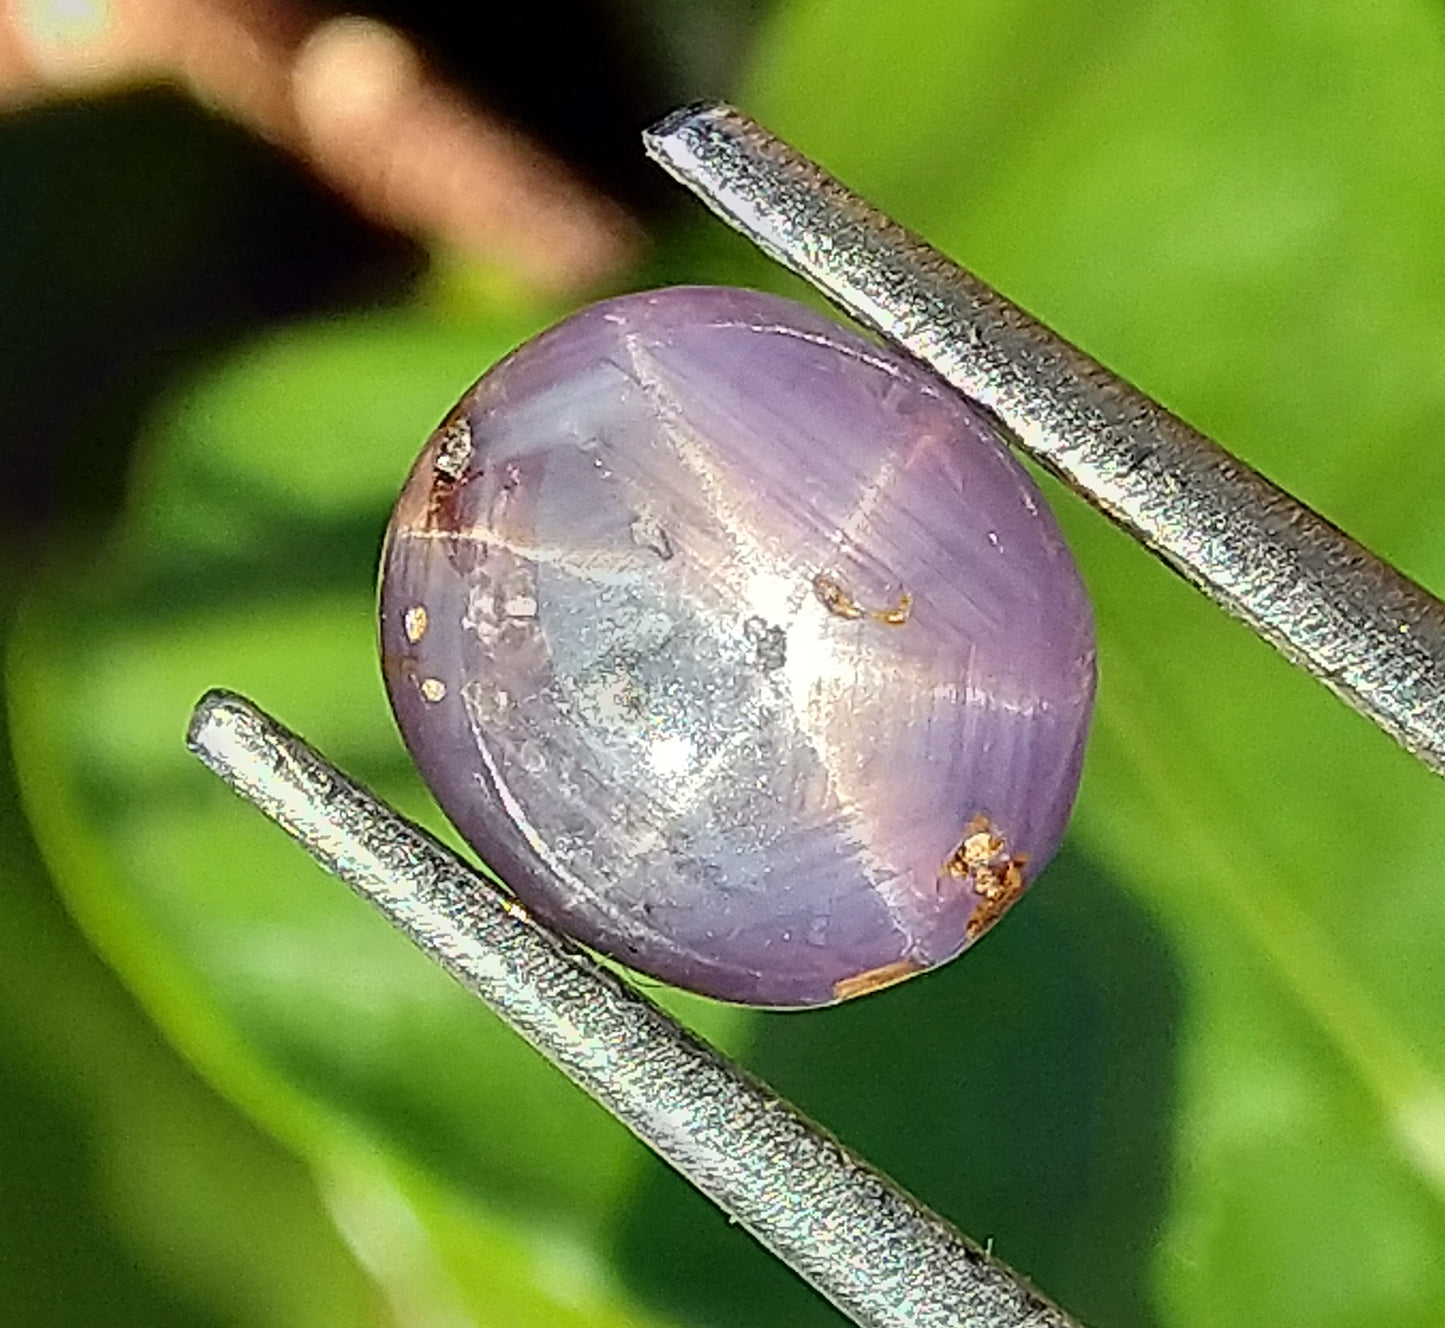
pixel 218 706
pixel 674 122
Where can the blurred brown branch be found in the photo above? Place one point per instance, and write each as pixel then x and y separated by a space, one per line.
pixel 352 98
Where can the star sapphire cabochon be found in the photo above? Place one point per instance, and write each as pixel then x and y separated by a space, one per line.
pixel 740 647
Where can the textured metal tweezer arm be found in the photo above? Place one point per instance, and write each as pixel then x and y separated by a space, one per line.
pixel 1367 631
pixel 877 1254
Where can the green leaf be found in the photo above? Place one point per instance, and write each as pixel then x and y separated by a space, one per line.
pixel 1236 206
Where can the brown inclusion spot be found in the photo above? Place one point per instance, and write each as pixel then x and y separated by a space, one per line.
pixel 835 599
pixel 437 507
pixel 841 604
pixel 996 875
pixel 898 614
pixel 875 979
pixel 454 450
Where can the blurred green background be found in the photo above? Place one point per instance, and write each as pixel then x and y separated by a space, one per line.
pixel 1197 1079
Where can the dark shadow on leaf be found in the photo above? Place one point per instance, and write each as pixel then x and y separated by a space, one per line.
pixel 141 233
pixel 60 1263
pixel 1026 1092
pixel 64 1257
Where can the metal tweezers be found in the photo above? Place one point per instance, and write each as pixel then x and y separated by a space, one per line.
pixel 1364 629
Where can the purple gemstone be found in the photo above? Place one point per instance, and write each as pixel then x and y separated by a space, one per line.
pixel 739 647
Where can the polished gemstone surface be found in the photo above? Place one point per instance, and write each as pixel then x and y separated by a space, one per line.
pixel 739 647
